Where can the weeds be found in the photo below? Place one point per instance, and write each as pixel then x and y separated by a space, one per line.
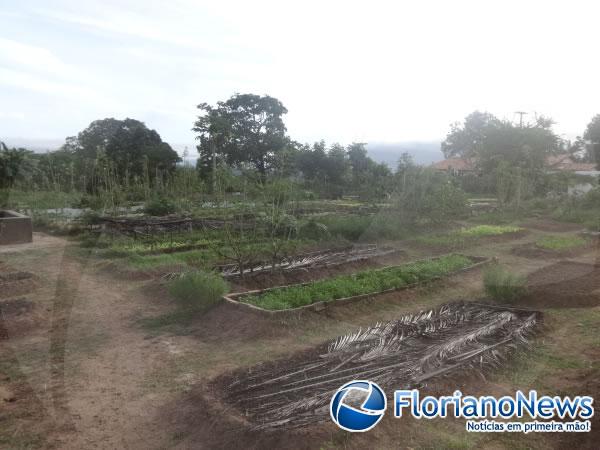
pixel 198 290
pixel 488 230
pixel 459 238
pixel 160 206
pixel 194 292
pixel 503 285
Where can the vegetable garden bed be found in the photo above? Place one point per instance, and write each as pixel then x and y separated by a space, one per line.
pixel 348 288
pixel 464 236
pixel 313 260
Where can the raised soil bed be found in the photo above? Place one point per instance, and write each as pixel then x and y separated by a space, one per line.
pixel 409 351
pixel 313 260
pixel 235 298
pixel 566 284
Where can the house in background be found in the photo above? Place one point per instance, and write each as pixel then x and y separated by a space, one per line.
pixel 558 163
pixel 565 163
pixel 455 166
pixel 554 164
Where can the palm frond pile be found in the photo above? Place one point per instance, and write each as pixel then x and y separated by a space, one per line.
pixel 313 260
pixel 406 353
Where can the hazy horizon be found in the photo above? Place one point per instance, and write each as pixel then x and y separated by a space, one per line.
pixel 344 71
pixel 423 152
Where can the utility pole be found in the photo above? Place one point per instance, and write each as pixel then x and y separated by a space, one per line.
pixel 521 114
pixel 214 166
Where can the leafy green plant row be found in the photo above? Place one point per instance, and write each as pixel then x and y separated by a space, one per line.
pixel 366 282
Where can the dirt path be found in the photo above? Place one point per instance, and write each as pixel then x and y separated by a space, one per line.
pixel 105 397
pixel 91 358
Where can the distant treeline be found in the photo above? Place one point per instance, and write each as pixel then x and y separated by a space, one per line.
pixel 244 139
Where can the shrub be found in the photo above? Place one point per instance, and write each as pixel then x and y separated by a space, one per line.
pixel 314 230
pixel 503 285
pixel 351 227
pixel 198 290
pixel 160 206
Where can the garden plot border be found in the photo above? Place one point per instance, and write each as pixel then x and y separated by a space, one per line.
pixel 356 253
pixel 231 298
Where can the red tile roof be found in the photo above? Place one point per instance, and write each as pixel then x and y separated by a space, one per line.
pixel 463 164
pixel 558 163
pixel 565 163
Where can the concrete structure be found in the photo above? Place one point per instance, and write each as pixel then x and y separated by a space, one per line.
pixel 15 228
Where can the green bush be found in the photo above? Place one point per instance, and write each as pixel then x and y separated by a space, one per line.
pixel 160 206
pixel 198 290
pixel 314 230
pixel 503 285
pixel 351 227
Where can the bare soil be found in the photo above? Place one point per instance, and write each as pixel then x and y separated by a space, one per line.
pixel 77 370
pixel 14 283
pixel 551 225
pixel 566 284
pixel 531 251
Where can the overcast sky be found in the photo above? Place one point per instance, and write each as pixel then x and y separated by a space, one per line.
pixel 347 71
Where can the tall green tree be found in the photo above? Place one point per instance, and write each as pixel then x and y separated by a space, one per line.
pixel 135 149
pixel 94 138
pixel 490 141
pixel 526 147
pixel 131 148
pixel 246 130
pixel 592 134
pixel 467 139
pixel 15 164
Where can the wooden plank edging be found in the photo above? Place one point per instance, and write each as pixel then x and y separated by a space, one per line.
pixel 319 306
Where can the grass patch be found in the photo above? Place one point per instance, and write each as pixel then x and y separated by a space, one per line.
pixel 366 282
pixel 503 285
pixel 488 230
pixel 356 227
pixel 558 243
pixel 198 290
pixel 461 237
pixel 169 321
pixel 193 258
pixel 195 292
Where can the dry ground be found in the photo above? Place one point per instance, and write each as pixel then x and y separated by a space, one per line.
pixel 91 359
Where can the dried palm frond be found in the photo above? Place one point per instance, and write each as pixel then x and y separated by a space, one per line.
pixel 403 353
pixel 325 258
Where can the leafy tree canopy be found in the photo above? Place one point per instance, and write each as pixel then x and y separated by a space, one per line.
pixel 489 141
pixel 246 130
pixel 128 144
pixel 467 139
pixel 592 134
pixel 15 164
